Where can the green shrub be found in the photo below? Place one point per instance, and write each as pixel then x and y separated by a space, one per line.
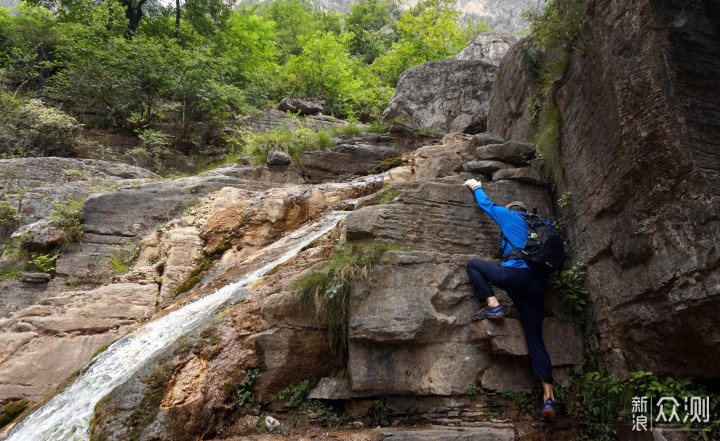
pixel 244 394
pixel 9 215
pixel 474 389
pixel 387 195
pixel 381 411
pixel 565 199
pixel 31 128
pixel 45 263
pixel 67 215
pixel 293 142
pixel 295 394
pixel 573 292
pixel 388 164
pixel 327 291
pixel 557 25
pixel 121 260
pixel 548 141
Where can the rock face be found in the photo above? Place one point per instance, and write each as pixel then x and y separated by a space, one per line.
pixel 489 47
pixel 640 148
pixel 508 112
pixel 410 339
pixel 41 318
pixel 445 96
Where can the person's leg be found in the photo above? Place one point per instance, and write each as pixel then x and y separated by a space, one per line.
pixel 529 304
pixel 482 274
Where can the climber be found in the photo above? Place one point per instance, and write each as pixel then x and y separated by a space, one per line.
pixel 525 287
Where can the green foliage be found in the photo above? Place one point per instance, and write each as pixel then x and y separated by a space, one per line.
pixel 474 389
pixel 388 164
pixel 322 412
pixel 30 128
pixel 573 292
pixel 295 394
pixel 601 401
pixel 524 401
pixel 45 263
pixel 327 291
pixel 429 31
pixel 27 38
pixel 381 411
pixel 548 140
pixel 121 260
pixel 371 22
pixel 67 215
pixel 10 273
pixel 293 142
pixel 387 195
pixel 324 69
pixel 557 25
pixel 565 199
pixel 244 393
pixel 12 410
pixel 9 215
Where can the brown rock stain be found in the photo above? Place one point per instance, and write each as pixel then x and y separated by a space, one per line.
pixel 186 383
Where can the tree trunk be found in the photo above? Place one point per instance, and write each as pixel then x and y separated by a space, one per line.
pixel 177 18
pixel 134 14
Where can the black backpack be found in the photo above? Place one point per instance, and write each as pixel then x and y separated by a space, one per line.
pixel 544 250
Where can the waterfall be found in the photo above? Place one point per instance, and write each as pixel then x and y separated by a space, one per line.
pixel 67 415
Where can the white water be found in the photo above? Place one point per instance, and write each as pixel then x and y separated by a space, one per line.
pixel 67 415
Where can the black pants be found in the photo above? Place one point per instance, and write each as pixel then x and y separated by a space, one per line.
pixel 527 291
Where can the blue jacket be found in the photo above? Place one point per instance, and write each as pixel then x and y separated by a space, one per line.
pixel 511 224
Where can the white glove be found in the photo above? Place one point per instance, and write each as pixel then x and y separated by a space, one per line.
pixel 473 184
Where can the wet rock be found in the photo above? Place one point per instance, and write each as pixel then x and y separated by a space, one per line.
pixel 445 96
pixel 64 332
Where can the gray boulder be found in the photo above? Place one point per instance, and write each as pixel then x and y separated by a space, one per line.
pixel 445 96
pixel 489 47
pixel 305 106
pixel 515 84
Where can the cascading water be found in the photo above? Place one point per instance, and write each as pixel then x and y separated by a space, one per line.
pixel 67 415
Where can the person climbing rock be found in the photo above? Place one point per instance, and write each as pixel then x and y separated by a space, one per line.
pixel 525 287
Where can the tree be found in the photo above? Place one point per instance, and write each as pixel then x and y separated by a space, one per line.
pixel 371 22
pixel 430 31
pixel 324 69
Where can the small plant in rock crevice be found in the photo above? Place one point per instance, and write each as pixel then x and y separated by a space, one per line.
pixel 573 292
pixel 474 389
pixel 66 215
pixel 295 393
pixel 387 195
pixel 44 263
pixel 565 199
pixel 381 411
pixel 244 394
pixel 326 291
pixel 524 401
